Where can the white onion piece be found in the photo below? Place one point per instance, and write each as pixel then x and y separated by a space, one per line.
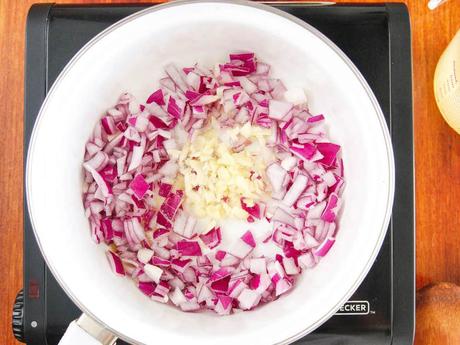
pixel 282 216
pixel 176 76
pixel 258 265
pixel 248 299
pixel 136 158
pixel 289 163
pixel 290 266
pixel 276 175
pixel 177 297
pixel 295 96
pixel 170 168
pixel 277 110
pixel 297 188
pixel 144 255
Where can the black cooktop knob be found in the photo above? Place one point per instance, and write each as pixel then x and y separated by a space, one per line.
pixel 18 317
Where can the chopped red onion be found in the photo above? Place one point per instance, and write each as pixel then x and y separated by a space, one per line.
pixel 277 110
pixel 296 189
pixel 115 263
pixel 153 272
pixel 139 186
pixel 276 174
pixel 156 97
pixel 324 247
pixel 144 255
pixel 212 238
pixel 258 265
pixel 223 305
pixel 248 298
pixel 282 286
pixel 330 211
pixel 132 205
pixel 188 248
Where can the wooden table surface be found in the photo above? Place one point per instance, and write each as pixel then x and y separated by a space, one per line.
pixel 437 150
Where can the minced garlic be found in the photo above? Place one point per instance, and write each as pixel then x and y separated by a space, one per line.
pixel 220 166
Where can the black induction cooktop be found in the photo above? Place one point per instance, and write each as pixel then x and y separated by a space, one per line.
pixel 377 39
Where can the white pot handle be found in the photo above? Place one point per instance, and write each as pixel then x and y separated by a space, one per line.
pixel 86 331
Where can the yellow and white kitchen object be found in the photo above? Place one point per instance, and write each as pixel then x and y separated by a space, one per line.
pixel 447 83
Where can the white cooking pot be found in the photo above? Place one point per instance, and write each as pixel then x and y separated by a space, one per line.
pixel 130 56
